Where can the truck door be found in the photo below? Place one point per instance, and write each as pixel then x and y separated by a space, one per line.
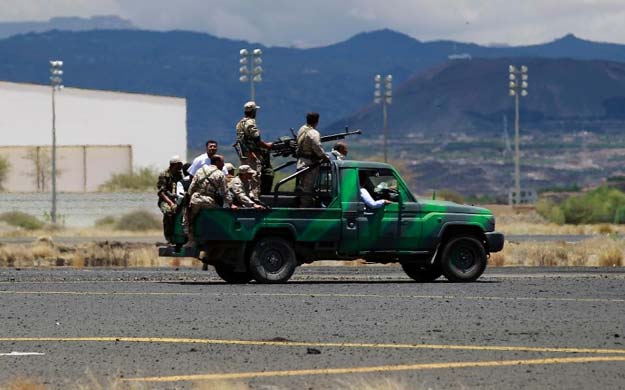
pixel 378 227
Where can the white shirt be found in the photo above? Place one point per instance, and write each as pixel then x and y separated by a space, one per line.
pixel 199 162
pixel 373 204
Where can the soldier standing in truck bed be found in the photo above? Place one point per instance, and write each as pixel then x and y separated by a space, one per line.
pixel 166 187
pixel 309 154
pixel 250 142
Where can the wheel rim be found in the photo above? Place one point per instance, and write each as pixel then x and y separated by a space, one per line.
pixel 464 257
pixel 272 260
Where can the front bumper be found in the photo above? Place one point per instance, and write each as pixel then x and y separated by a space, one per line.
pixel 494 241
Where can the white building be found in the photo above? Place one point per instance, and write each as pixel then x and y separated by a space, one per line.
pixel 115 132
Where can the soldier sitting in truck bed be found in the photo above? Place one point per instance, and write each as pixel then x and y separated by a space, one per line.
pixel 240 189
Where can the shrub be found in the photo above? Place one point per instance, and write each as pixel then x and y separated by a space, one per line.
pixel 4 171
pixel 22 220
pixel 450 195
pixel 107 221
pixel 550 211
pixel 619 215
pixel 139 220
pixel 144 179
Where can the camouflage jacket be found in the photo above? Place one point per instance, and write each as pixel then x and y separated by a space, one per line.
pixel 241 193
pixel 210 181
pixel 248 135
pixel 309 149
pixel 167 184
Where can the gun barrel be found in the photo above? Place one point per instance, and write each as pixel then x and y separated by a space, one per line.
pixel 337 136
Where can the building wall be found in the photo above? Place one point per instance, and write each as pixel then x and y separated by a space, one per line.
pixel 79 168
pixel 154 126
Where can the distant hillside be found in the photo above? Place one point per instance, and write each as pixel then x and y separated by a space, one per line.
pixel 335 80
pixel 105 22
pixel 472 97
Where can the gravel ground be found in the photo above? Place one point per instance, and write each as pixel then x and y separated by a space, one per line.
pixel 515 328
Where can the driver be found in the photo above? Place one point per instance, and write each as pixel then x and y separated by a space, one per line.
pixel 365 195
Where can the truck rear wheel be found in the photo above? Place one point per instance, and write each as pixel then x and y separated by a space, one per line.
pixel 272 260
pixel 231 276
pixel 422 273
pixel 463 259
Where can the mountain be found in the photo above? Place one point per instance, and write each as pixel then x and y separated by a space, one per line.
pixel 108 22
pixel 471 96
pixel 335 80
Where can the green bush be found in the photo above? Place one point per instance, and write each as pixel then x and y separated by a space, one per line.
pixel 22 220
pixel 139 220
pixel 143 179
pixel 4 171
pixel 105 221
pixel 601 205
pixel 450 195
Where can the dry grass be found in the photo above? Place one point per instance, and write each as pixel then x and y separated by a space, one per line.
pixel 104 232
pixel 525 220
pixel 595 252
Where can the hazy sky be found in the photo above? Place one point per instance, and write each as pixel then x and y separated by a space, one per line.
pixel 319 22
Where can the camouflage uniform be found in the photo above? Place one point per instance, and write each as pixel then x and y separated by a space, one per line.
pixel 208 191
pixel 167 184
pixel 241 193
pixel 309 152
pixel 248 136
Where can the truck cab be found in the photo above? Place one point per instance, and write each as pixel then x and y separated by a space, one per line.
pixel 429 238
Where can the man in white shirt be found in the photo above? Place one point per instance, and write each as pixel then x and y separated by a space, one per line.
pixel 365 195
pixel 205 158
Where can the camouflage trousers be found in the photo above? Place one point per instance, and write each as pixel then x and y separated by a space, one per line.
pixel 169 220
pixel 307 184
pixel 197 203
pixel 256 165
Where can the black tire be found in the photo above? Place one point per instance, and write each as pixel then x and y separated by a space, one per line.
pixel 272 260
pixel 422 273
pixel 463 259
pixel 230 276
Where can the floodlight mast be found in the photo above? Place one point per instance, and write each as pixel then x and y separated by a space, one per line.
pixel 250 70
pixel 384 96
pixel 56 82
pixel 517 88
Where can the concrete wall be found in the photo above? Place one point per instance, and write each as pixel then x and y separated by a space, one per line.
pixel 79 168
pixel 154 126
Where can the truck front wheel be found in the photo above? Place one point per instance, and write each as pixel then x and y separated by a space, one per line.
pixel 272 260
pixel 463 259
pixel 231 276
pixel 422 273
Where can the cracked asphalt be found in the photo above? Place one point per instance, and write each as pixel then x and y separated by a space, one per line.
pixel 516 328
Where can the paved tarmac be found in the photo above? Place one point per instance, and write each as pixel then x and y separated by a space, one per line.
pixel 329 327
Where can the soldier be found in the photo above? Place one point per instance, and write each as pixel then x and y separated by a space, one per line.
pixel 309 153
pixel 339 151
pixel 230 169
pixel 250 142
pixel 166 186
pixel 208 190
pixel 241 189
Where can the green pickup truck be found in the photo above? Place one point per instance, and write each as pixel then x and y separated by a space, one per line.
pixel 429 238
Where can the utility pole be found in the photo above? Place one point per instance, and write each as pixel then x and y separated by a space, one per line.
pixel 517 89
pixel 385 98
pixel 56 80
pixel 253 72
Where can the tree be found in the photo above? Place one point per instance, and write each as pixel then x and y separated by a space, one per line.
pixel 4 171
pixel 42 166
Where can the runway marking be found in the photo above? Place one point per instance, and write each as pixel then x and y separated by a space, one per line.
pixel 171 340
pixel 15 353
pixel 364 370
pixel 321 295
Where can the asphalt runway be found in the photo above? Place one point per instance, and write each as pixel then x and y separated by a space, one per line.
pixel 329 327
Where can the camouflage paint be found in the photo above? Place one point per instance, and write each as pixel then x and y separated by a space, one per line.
pixel 410 225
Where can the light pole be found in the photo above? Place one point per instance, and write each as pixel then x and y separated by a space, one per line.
pixel 384 96
pixel 517 88
pixel 250 69
pixel 56 80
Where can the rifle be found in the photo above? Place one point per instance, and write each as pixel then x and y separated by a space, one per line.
pixel 287 146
